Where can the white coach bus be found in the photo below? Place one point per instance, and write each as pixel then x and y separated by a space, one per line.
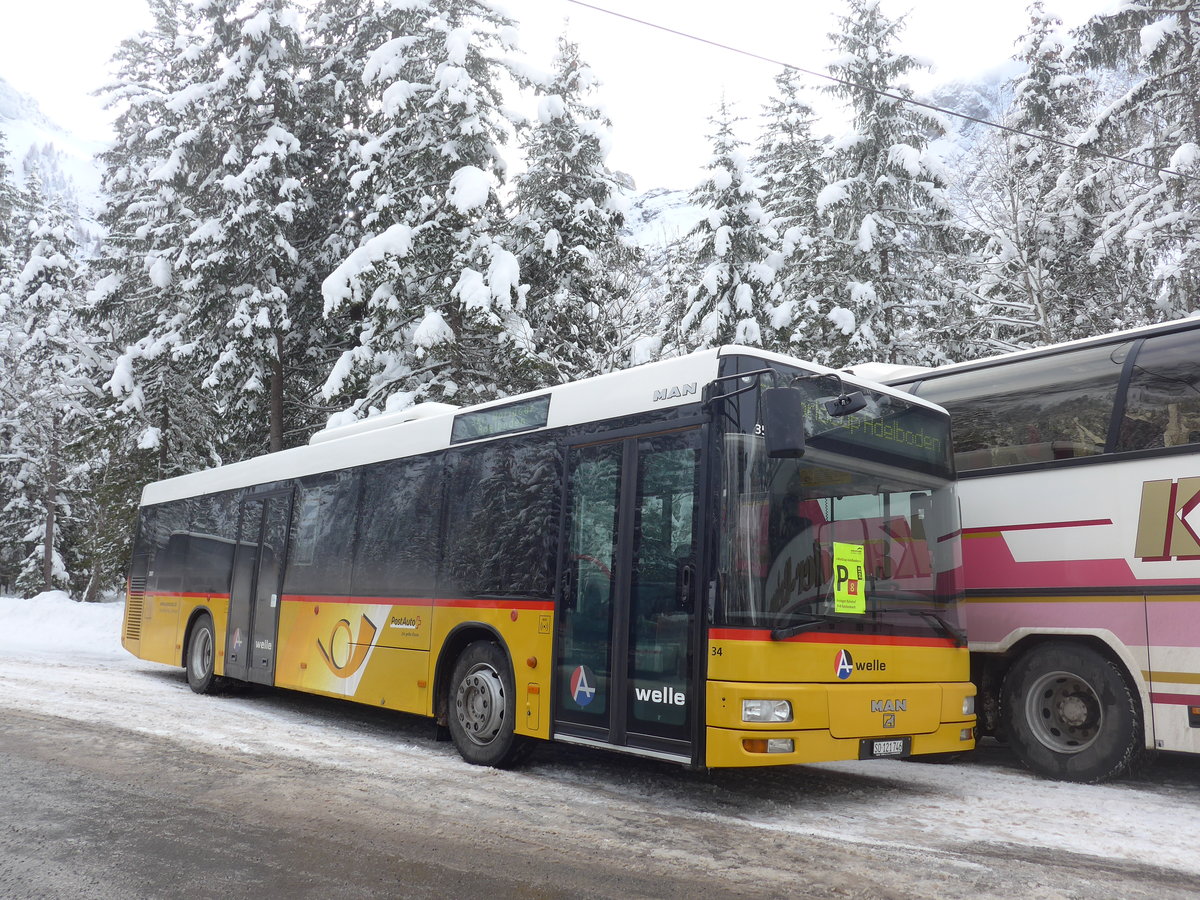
pixel 1079 468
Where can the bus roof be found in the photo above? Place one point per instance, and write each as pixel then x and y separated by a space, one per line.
pixel 898 374
pixel 660 385
pixel 883 373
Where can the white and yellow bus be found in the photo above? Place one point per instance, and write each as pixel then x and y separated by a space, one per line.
pixel 727 559
pixel 1079 478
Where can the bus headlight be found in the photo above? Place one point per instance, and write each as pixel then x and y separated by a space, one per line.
pixel 969 705
pixel 766 711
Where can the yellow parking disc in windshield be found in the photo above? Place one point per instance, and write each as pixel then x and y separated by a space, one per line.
pixel 849 594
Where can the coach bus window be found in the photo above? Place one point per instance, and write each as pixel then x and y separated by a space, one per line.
pixel 1032 411
pixel 321 547
pixel 397 544
pixel 502 518
pixel 1162 408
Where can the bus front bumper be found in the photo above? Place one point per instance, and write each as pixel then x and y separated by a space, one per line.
pixel 839 722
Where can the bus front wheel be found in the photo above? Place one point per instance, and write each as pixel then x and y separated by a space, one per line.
pixel 482 707
pixel 201 654
pixel 1070 714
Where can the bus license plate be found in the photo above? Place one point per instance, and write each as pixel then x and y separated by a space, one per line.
pixel 878 749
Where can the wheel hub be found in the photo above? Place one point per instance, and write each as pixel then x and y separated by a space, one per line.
pixel 202 654
pixel 1064 712
pixel 1073 711
pixel 479 704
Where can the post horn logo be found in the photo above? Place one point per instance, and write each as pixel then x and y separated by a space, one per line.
pixel 345 656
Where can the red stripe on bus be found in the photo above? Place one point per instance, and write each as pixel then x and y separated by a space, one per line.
pixel 1083 523
pixel 362 601
pixel 445 602
pixel 496 604
pixel 764 634
pixel 198 595
pixel 1176 699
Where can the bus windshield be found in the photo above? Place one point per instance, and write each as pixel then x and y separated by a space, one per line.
pixel 837 541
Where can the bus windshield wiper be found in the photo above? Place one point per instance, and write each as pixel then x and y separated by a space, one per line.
pixel 935 618
pixel 783 632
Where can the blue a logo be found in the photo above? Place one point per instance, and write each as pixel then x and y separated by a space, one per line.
pixel 583 686
pixel 845 664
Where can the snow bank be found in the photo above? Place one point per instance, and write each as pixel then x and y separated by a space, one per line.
pixel 54 624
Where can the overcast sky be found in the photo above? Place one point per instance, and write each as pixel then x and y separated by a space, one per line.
pixel 659 89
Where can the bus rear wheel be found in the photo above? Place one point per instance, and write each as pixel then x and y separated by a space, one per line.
pixel 200 658
pixel 1070 714
pixel 482 709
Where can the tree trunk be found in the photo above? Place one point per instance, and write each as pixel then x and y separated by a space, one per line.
pixel 164 425
pixel 53 474
pixel 277 396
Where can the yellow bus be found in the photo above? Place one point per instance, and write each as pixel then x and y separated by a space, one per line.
pixel 730 558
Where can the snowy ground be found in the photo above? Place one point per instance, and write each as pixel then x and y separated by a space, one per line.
pixel 63 658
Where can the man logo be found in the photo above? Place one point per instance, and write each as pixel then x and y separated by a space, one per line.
pixel 845 664
pixel 1169 522
pixel 679 390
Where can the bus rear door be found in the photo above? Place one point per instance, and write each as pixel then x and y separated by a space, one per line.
pixel 254 592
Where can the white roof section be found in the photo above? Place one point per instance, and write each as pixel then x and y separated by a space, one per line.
pixel 879 370
pixel 660 385
pixel 385 420
pixel 885 372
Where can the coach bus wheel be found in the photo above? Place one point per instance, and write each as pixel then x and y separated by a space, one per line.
pixel 482 711
pixel 1070 714
pixel 201 652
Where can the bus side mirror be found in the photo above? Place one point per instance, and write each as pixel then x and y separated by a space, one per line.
pixel 783 419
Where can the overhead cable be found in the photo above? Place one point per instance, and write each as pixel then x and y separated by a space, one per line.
pixel 880 93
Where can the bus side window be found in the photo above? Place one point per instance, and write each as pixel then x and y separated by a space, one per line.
pixel 321 545
pixel 213 524
pixel 143 549
pixel 1162 408
pixel 166 563
pixel 502 517
pixel 1033 410
pixel 396 552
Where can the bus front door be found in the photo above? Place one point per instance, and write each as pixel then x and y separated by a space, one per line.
pixel 627 611
pixel 254 592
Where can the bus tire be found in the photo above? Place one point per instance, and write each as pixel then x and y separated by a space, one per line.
pixel 201 657
pixel 482 708
pixel 1071 714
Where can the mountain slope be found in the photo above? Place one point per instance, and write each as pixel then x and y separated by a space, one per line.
pixel 67 161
